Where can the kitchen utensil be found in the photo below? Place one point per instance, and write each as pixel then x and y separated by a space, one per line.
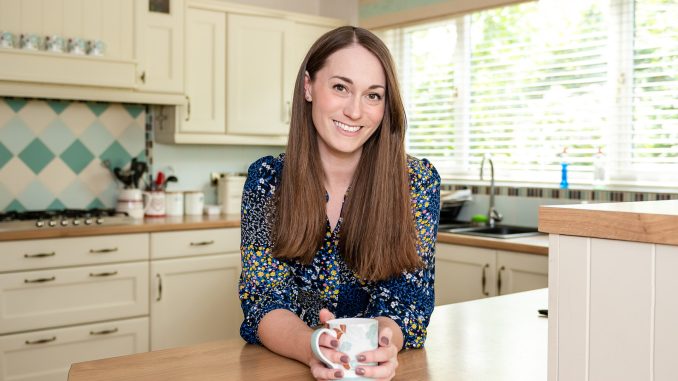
pixel 170 179
pixel 355 335
pixel 124 177
pixel 160 181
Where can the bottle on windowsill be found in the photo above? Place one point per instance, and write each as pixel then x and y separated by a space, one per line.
pixel 563 169
pixel 599 169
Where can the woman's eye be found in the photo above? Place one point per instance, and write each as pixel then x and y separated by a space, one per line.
pixel 340 87
pixel 374 97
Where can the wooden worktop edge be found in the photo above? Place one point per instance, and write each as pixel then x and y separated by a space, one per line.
pixel 625 226
pixel 488 243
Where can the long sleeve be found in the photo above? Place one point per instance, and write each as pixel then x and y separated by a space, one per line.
pixel 264 280
pixel 409 298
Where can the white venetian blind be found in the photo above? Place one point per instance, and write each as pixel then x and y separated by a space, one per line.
pixel 522 82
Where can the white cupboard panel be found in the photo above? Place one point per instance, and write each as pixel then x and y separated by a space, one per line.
pixel 666 313
pixel 47 355
pixel 572 299
pixel 52 298
pixel 195 242
pixel 620 298
pixel 195 300
pixel 464 273
pixel 58 252
pixel 518 272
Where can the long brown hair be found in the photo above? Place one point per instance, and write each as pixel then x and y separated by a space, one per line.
pixel 378 237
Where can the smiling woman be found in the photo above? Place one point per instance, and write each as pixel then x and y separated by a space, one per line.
pixel 344 223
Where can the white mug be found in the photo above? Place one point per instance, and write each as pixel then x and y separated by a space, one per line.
pixel 194 203
pixel 174 203
pixel 154 204
pixel 355 336
pixel 130 201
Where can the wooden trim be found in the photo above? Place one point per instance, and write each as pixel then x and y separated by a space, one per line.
pixel 521 245
pixel 432 11
pixel 649 221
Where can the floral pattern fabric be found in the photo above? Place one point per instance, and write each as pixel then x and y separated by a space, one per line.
pixel 267 283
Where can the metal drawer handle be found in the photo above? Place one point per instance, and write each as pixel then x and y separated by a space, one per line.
pixel 94 251
pixel 40 255
pixel 499 279
pixel 159 288
pixel 110 273
pixel 39 280
pixel 203 243
pixel 484 280
pixel 103 332
pixel 41 341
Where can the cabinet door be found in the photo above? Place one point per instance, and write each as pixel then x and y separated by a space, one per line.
pixel 159 46
pixel 205 72
pixel 256 78
pixel 463 273
pixel 194 300
pixel 521 272
pixel 51 298
pixel 47 355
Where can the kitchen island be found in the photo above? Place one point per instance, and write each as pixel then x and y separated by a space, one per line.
pixel 500 338
pixel 612 290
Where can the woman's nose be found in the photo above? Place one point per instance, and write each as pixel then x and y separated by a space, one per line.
pixel 352 109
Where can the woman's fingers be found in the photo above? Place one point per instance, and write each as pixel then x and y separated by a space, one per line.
pixel 385 337
pixel 328 341
pixel 379 355
pixel 384 370
pixel 386 355
pixel 321 372
pixel 325 315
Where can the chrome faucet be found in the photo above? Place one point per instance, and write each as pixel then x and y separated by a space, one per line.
pixel 493 215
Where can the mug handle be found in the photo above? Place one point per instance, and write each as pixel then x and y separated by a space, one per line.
pixel 315 346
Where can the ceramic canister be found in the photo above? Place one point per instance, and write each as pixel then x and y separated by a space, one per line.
pixel 194 202
pixel 174 203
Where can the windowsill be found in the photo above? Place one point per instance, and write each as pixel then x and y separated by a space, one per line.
pixel 573 186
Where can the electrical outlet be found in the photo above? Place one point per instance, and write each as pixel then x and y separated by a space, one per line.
pixel 214 178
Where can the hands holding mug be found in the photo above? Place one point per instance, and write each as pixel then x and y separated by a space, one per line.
pixel 353 349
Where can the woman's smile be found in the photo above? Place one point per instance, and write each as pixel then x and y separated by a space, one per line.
pixel 346 128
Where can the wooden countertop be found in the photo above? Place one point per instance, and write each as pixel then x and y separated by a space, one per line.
pixel 646 221
pixel 146 225
pixel 538 244
pixel 499 338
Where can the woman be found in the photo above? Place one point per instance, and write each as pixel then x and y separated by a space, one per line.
pixel 344 223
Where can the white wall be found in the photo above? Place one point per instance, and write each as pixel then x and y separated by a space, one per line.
pixel 341 9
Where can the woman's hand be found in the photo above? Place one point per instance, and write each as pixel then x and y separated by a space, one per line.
pixel 328 345
pixel 386 356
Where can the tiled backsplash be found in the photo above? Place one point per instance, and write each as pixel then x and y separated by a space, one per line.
pixel 52 152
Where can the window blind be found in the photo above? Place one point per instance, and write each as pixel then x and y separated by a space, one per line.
pixel 523 82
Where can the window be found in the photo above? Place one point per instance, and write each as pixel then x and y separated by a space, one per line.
pixel 520 83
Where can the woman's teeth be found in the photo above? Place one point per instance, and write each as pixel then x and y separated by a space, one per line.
pixel 346 127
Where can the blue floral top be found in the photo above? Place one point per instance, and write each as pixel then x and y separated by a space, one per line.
pixel 267 283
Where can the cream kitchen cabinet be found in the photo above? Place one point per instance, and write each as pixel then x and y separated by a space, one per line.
pixel 194 294
pixel 467 273
pixel 240 67
pixel 159 46
pixel 71 299
pixel 108 21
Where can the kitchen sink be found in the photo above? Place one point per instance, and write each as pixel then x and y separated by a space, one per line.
pixel 498 231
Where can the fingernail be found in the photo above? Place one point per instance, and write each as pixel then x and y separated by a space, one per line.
pixel 361 358
pixel 334 343
pixel 344 359
pixel 360 371
pixel 384 340
pixel 337 374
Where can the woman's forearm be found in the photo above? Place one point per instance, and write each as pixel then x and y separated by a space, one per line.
pixel 284 333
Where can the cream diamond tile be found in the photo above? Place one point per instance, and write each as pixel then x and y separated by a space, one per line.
pixel 6 113
pixel 57 176
pixel 76 195
pixel 96 177
pixel 37 115
pixel 77 116
pixel 115 119
pixel 16 176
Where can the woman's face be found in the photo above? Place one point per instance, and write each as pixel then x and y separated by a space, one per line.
pixel 348 97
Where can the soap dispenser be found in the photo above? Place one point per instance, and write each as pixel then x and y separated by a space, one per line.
pixel 563 169
pixel 599 169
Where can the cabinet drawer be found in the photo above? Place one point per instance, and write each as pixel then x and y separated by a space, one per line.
pixel 195 242
pixel 52 298
pixel 59 252
pixel 48 354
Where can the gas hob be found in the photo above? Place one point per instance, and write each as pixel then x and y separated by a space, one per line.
pixel 61 219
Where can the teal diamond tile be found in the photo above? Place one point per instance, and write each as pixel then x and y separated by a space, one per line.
pixel 56 205
pixel 96 203
pixel 36 155
pixel 15 206
pixel 36 196
pixel 5 155
pixel 77 156
pixel 15 135
pixel 96 138
pixel 116 155
pixel 134 110
pixel 57 136
pixel 97 108
pixel 58 106
pixel 16 104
